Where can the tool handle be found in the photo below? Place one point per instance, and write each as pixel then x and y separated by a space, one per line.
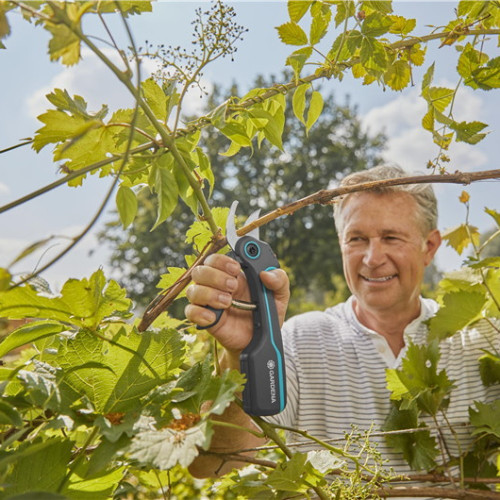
pixel 262 361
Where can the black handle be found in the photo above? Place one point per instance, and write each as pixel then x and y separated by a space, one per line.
pixel 262 361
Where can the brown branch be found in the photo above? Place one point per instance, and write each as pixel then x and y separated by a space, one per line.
pixel 434 492
pixel 323 197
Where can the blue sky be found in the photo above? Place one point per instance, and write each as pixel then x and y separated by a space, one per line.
pixel 27 75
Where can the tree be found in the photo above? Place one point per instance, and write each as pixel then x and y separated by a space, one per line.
pixel 261 177
pixel 98 407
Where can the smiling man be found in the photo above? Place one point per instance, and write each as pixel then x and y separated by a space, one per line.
pixel 336 360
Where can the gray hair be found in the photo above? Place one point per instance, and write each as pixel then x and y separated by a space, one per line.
pixel 423 194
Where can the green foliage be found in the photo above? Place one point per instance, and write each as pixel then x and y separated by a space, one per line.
pixel 92 409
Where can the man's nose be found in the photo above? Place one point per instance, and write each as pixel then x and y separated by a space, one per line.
pixel 374 253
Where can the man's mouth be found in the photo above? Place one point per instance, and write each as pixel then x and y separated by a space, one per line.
pixel 382 279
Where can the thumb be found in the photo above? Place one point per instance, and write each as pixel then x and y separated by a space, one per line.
pixel 277 281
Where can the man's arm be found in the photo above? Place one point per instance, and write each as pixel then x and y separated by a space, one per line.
pixel 215 284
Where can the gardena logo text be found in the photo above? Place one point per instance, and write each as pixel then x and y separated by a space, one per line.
pixel 272 383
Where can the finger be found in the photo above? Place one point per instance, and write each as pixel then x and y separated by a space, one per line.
pixel 214 278
pixel 199 315
pixel 208 296
pixel 224 263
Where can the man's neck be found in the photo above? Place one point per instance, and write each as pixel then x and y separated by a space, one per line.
pixel 390 325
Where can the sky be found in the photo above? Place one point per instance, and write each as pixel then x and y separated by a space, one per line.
pixel 27 75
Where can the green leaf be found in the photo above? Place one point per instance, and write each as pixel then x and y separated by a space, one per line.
pixel 438 97
pixel 419 448
pixel 294 475
pixel 126 202
pixel 292 34
pixel 485 418
pixel 494 214
pixel 373 55
pixel 345 10
pixel 418 380
pixel 398 76
pixel 486 77
pixel 469 60
pixel 115 374
pixel 297 9
pixel 29 333
pixel 315 109
pixel 165 448
pixel 9 415
pixel 459 309
pixel 427 78
pixel 165 186
pixel 84 303
pixel 298 58
pixel 299 101
pixel 401 25
pixel 461 237
pixel 375 25
pixel 319 26
pixel 383 6
pixel 5 279
pixel 31 468
pixel 100 486
pixel 468 131
pixel 199 385
pixel 489 368
pixel 156 98
pixel 64 44
pixel 199 233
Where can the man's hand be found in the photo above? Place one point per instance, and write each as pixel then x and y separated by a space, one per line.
pixel 216 283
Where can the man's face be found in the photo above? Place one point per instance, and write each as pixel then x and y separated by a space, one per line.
pixel 385 252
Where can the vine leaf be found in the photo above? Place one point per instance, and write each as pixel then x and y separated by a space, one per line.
pixel 31 467
pixel 82 303
pixel 418 448
pixel 167 447
pixel 489 368
pixel 418 381
pixel 116 374
pixel 295 475
pixel 485 418
pixel 461 237
pixel 29 333
pixel 459 309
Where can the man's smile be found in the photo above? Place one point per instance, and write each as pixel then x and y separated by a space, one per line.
pixel 381 279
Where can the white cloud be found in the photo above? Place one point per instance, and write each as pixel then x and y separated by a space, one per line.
pixel 92 80
pixel 409 144
pixel 4 189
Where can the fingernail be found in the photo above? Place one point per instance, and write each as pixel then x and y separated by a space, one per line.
pixel 233 268
pixel 225 299
pixel 232 284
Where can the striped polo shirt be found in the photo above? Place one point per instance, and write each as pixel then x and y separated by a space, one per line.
pixel 336 376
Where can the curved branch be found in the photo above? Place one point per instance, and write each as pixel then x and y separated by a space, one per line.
pixel 324 197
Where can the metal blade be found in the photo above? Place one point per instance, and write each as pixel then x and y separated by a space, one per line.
pixel 231 235
pixel 254 233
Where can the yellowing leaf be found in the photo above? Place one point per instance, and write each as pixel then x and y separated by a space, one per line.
pixel 126 202
pixel 297 9
pixel 315 109
pixel 292 34
pixel 464 197
pixel 299 101
pixel 398 75
pixel 461 237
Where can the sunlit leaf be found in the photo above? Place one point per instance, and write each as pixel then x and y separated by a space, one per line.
pixel 126 202
pixel 459 309
pixel 315 108
pixel 461 237
pixel 297 9
pixel 292 34
pixel 398 75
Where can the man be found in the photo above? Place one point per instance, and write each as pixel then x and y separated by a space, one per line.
pixel 336 359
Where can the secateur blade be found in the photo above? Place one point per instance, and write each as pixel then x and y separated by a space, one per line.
pixel 231 234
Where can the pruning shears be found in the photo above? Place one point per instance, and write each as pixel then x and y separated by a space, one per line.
pixel 262 361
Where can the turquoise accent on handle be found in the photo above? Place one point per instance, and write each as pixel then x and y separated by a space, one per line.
pixel 278 353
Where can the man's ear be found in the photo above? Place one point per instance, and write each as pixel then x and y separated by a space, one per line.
pixel 432 243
